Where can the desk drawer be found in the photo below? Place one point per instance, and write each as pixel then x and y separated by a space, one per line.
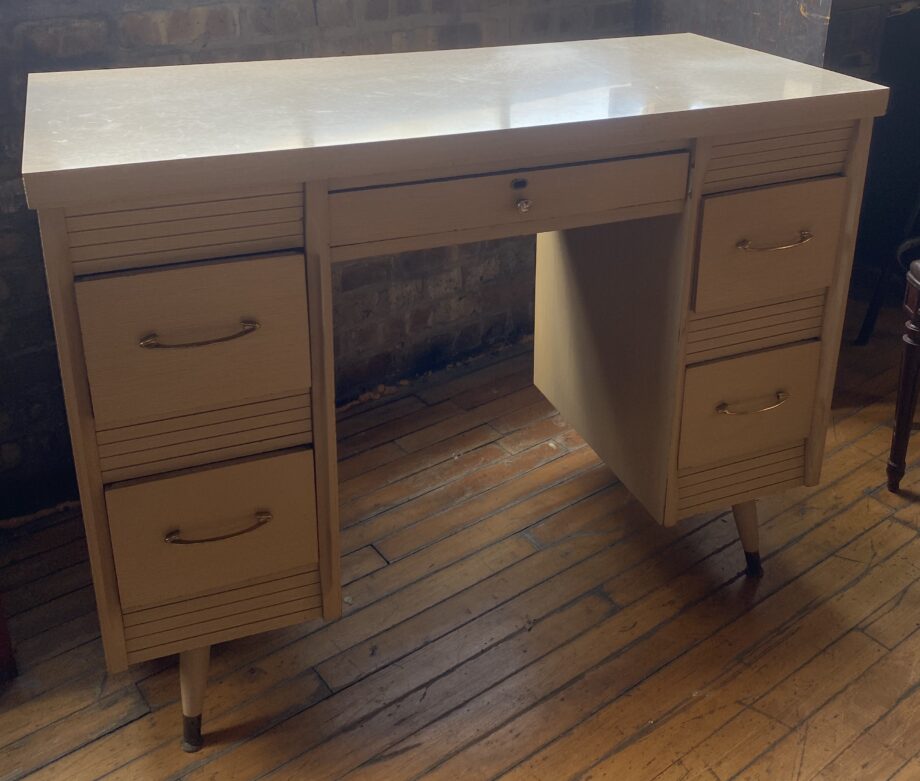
pixel 190 339
pixel 765 244
pixel 259 514
pixel 746 405
pixel 523 198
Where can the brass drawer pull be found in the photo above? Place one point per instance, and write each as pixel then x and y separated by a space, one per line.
pixel 745 245
pixel 781 398
pixel 261 518
pixel 152 341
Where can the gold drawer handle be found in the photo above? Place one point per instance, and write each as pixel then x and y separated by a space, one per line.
pixel 152 341
pixel 175 537
pixel 745 245
pixel 781 398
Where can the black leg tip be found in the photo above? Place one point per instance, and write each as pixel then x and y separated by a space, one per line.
pixel 191 733
pixel 894 472
pixel 753 567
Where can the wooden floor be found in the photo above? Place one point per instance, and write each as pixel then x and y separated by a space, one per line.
pixel 511 613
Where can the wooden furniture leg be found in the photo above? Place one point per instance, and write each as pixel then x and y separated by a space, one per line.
pixel 746 520
pixel 193 679
pixel 7 660
pixel 907 389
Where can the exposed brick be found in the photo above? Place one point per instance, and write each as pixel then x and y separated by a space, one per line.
pixel 408 7
pixel 335 13
pixel 458 36
pixel 376 10
pixel 62 38
pixel 279 18
pixel 180 27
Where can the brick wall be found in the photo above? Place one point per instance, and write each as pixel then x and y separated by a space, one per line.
pixel 790 28
pixel 394 316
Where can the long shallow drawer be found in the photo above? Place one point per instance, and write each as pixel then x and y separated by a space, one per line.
pixel 190 339
pixel 742 406
pixel 518 198
pixel 768 243
pixel 184 228
pixel 194 533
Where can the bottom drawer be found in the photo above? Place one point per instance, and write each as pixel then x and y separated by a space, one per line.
pixel 743 406
pixel 195 533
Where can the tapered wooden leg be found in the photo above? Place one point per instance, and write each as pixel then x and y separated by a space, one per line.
pixel 906 404
pixel 193 679
pixel 746 520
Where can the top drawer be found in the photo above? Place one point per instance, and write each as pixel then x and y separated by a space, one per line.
pixel 768 243
pixel 207 336
pixel 518 198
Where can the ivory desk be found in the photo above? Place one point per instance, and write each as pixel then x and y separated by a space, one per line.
pixel 695 205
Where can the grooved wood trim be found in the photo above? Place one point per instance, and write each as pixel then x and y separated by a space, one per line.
pixel 754 328
pixel 218 632
pixel 203 438
pixel 189 228
pixel 59 273
pixel 742 479
pixel 322 355
pixel 773 156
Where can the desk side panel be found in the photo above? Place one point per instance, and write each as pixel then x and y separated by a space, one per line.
pixel 606 339
pixel 59 271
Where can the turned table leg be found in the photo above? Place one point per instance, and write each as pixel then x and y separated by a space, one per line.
pixel 907 388
pixel 193 679
pixel 746 520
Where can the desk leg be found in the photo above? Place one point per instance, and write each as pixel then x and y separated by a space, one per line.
pixel 193 679
pixel 746 520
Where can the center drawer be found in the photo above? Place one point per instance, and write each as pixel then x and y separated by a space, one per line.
pixel 188 339
pixel 736 407
pixel 209 530
pixel 522 197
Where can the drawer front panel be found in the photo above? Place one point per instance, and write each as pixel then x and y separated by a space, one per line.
pixel 768 243
pixel 248 318
pixel 721 418
pixel 519 198
pixel 186 228
pixel 265 509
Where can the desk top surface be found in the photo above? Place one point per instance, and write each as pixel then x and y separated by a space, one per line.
pixel 107 119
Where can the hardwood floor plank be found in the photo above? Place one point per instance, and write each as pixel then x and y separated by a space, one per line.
pixel 47 744
pixel 533 470
pixel 725 615
pixel 423 437
pixel 396 493
pixel 361 562
pixel 405 465
pixel 399 531
pixel 502 386
pixel 386 412
pixel 453 384
pixel 41 566
pixel 537 431
pixel 347 750
pixel 815 743
pixel 356 465
pixel 423 420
